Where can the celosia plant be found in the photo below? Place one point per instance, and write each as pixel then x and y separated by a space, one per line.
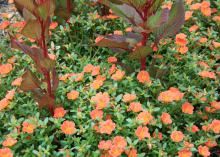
pixel 147 17
pixel 37 15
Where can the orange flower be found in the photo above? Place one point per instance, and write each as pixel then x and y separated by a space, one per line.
pixel 8 142
pixel 59 112
pixel 207 74
pixel 195 6
pixel 194 129
pixel 193 28
pixel 188 15
pixel 10 94
pixel 181 39
pixel 187 108
pixel 6 152
pixel 105 145
pixel 96 84
pixel 28 127
pixel 215 126
pixel 101 100
pixel 206 11
pixel 112 69
pixel 165 118
pixel 129 97
pixel 158 135
pixel 118 76
pixel 115 151
pixel 79 77
pixel 143 77
pixel 135 107
pixel 211 143
pixel 4 103
pixel 145 117
pixel 184 153
pixel 112 59
pixel 203 40
pixel 17 82
pixel 88 68
pixel 73 95
pixel 95 70
pixel 177 136
pixel 132 152
pixel 203 151
pixel 119 142
pixel 106 127
pixel 96 114
pixel 68 127
pixel 5 68
pixel 53 25
pixel 216 44
pixel 216 105
pixel 183 49
pixel 173 94
pixel 142 132
pixel 4 25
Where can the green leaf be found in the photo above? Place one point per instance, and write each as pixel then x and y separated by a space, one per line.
pixel 140 52
pixel 32 29
pixel 29 82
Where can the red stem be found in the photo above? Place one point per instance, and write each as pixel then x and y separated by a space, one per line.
pixel 43 45
pixel 143 43
pixel 68 3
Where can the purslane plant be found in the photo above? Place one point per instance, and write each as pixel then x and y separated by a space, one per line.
pixel 37 14
pixel 147 17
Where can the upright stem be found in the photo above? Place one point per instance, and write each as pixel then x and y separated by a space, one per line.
pixel 143 43
pixel 43 45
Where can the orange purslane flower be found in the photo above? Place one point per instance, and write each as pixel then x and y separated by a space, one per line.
pixel 143 77
pixel 142 132
pixel 187 108
pixel 88 68
pixel 106 127
pixel 4 25
pixel 215 126
pixel 195 6
pixel 17 82
pixel 166 118
pixel 96 84
pixel 115 151
pixel 96 114
pixel 193 129
pixel 112 59
pixel 188 15
pixel 73 95
pixel 28 127
pixel 8 142
pixel 101 100
pixel 211 143
pixel 132 152
pixel 119 142
pixel 5 69
pixel 4 103
pixel 184 153
pixel 205 8
pixel 203 151
pixel 6 152
pixel 177 136
pixel 105 145
pixel 145 117
pixel 135 107
pixel 118 76
pixel 59 112
pixel 181 39
pixel 215 105
pixel 173 94
pixel 207 74
pixel 68 127
pixel 129 97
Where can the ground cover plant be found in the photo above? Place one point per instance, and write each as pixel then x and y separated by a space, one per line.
pixel 103 109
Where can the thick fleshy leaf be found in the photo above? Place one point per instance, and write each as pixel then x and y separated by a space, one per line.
pixel 140 52
pixel 174 23
pixel 43 99
pixel 46 9
pixel 32 29
pixel 28 4
pixel 29 82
